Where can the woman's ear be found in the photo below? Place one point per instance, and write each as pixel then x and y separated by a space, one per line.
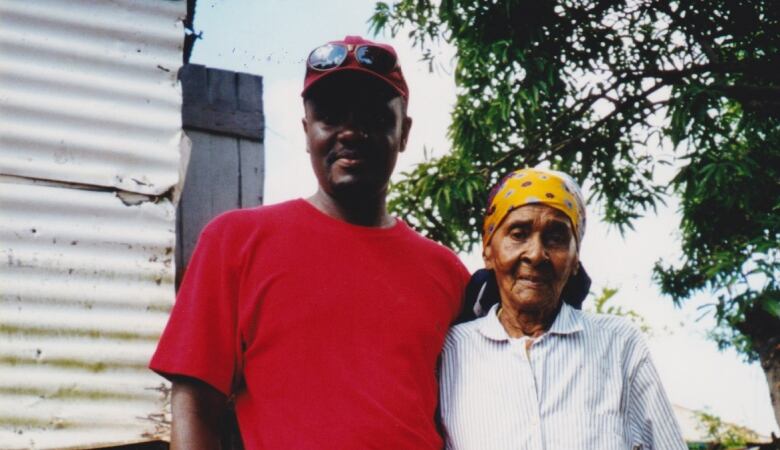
pixel 487 257
pixel 576 264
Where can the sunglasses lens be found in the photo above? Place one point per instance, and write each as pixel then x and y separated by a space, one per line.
pixel 327 57
pixel 375 58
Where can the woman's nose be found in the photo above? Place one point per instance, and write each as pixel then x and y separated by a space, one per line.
pixel 535 250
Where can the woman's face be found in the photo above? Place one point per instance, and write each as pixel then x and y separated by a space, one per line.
pixel 533 252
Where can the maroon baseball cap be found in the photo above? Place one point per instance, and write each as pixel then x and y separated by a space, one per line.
pixel 393 77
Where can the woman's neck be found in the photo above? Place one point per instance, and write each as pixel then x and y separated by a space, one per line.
pixel 519 322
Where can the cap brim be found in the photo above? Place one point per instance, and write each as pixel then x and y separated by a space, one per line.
pixel 330 74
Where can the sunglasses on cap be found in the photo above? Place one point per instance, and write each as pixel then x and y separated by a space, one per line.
pixel 330 56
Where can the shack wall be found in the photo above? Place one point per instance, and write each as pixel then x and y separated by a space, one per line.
pixel 91 151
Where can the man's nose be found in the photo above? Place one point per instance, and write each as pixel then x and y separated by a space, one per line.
pixel 353 127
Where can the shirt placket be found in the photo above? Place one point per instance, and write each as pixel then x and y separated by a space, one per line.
pixel 524 351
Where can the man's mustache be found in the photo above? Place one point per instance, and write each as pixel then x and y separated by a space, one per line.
pixel 345 153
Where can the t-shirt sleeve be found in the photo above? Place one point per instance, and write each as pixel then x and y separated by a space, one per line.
pixel 462 276
pixel 201 338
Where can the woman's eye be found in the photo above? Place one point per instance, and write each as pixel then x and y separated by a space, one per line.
pixel 558 238
pixel 518 234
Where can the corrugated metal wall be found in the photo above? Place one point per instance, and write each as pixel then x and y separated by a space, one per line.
pixel 90 149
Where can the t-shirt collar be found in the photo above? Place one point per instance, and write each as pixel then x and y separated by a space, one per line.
pixel 568 321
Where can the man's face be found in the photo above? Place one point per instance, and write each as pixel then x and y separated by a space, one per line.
pixel 533 252
pixel 355 127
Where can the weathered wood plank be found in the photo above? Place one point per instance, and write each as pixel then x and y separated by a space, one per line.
pixel 222 90
pixel 210 188
pixel 252 172
pixel 194 85
pixel 249 92
pixel 248 125
pixel 224 179
pixel 222 102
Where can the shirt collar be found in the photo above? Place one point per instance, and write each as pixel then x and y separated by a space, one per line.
pixel 568 321
pixel 490 327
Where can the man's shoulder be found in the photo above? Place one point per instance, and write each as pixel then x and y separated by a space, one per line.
pixel 430 246
pixel 238 220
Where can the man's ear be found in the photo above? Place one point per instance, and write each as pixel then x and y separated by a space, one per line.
pixel 487 257
pixel 405 127
pixel 305 131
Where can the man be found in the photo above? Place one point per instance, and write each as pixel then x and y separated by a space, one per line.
pixel 322 318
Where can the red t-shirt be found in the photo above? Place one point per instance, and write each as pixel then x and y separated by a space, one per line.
pixel 327 333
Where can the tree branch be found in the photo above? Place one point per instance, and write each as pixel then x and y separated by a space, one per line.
pixel 564 145
pixel 746 92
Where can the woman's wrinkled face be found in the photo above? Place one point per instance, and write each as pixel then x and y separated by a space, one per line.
pixel 533 252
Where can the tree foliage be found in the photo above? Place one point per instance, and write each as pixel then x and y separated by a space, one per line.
pixel 722 434
pixel 596 88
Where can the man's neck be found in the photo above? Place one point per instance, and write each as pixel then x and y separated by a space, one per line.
pixel 363 212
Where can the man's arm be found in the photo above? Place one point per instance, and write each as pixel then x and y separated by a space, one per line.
pixel 198 411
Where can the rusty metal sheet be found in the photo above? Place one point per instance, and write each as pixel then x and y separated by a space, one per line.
pixel 88 92
pixel 87 282
pixel 91 152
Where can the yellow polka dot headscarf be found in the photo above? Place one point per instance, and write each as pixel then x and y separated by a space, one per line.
pixel 527 186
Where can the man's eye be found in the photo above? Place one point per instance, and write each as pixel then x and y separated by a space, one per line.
pixel 330 115
pixel 331 118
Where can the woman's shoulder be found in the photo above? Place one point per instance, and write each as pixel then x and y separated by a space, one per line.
pixel 616 327
pixel 461 333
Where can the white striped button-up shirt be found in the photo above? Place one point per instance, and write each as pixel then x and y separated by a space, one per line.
pixel 587 383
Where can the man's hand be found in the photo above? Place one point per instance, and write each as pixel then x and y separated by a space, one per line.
pixel 198 412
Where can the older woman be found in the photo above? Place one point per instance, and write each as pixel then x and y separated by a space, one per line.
pixel 535 373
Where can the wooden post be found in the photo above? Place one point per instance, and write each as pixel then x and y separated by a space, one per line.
pixel 223 116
